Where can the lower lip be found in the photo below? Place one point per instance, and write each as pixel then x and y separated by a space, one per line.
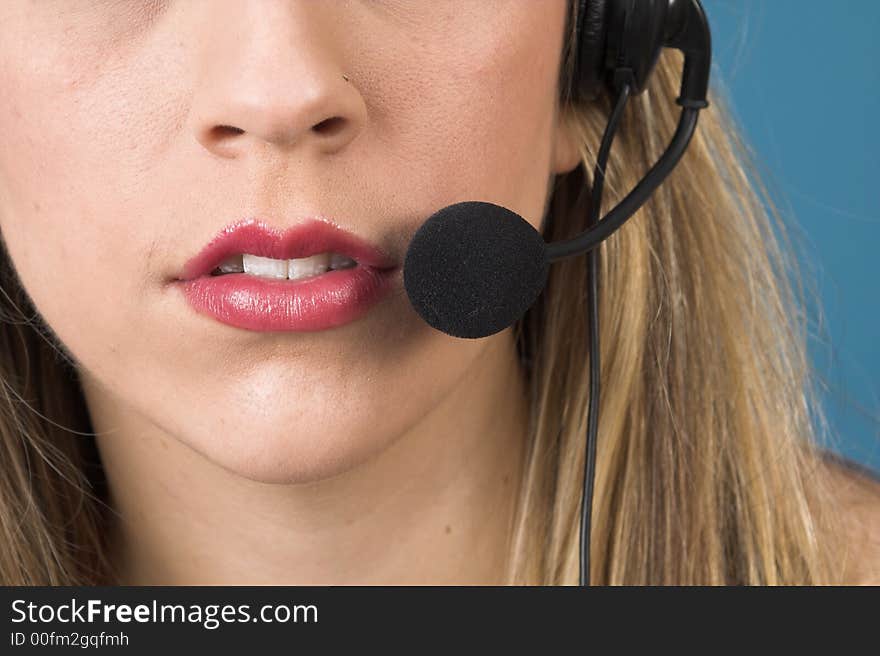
pixel 332 299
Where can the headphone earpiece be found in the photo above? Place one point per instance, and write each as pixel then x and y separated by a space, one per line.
pixel 617 41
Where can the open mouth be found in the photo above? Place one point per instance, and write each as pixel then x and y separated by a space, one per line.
pixel 291 269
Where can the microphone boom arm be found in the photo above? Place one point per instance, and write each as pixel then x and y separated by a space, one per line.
pixel 592 237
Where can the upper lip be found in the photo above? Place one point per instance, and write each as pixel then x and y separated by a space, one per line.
pixel 255 237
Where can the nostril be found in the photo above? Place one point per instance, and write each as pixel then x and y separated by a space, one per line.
pixel 220 130
pixel 330 126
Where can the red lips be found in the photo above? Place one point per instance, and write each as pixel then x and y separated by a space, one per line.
pixel 320 302
pixel 254 237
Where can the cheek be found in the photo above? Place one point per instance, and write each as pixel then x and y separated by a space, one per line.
pixel 79 153
pixel 472 110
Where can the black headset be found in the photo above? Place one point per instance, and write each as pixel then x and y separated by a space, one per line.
pixel 619 41
pixel 474 268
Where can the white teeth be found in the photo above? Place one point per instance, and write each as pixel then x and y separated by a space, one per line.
pixel 264 266
pixel 306 267
pixel 295 269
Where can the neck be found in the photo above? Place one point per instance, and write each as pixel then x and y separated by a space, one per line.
pixel 435 507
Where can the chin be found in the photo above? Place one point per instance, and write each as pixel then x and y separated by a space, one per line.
pixel 290 456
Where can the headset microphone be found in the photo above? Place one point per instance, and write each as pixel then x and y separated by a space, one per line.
pixel 474 268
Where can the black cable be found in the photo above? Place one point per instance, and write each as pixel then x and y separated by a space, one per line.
pixel 593 327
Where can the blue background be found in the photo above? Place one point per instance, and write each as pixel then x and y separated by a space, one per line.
pixel 802 78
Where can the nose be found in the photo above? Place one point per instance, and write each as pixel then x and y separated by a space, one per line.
pixel 272 75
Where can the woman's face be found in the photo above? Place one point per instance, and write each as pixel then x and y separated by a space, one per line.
pixel 118 165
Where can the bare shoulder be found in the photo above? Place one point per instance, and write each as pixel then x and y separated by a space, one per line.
pixel 856 494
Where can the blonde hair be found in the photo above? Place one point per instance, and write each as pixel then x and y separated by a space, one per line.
pixel 706 448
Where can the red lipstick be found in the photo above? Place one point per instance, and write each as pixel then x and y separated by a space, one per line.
pixel 321 301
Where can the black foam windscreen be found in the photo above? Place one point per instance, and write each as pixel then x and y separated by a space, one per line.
pixel 473 268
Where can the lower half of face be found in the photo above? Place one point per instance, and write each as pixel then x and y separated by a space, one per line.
pixel 134 132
